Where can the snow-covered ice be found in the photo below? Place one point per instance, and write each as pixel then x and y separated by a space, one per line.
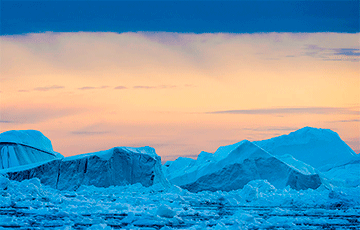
pixel 22 147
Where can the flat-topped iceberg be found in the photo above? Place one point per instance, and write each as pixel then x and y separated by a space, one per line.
pixel 116 166
pixel 27 154
pixel 22 147
pixel 113 167
pixel 233 170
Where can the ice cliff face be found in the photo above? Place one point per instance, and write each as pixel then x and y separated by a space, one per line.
pixel 47 172
pixel 233 170
pixel 27 154
pixel 116 166
pixel 22 147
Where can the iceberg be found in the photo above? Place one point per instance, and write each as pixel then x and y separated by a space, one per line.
pixel 233 170
pixel 113 167
pixel 22 147
pixel 27 154
pixel 320 148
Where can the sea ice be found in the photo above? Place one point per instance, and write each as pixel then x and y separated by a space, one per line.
pixel 29 204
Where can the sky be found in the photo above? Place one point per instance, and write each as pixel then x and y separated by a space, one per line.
pixel 182 77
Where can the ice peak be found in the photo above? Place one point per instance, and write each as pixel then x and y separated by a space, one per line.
pixel 223 151
pixel 314 133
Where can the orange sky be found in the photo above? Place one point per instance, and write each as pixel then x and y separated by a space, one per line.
pixel 93 91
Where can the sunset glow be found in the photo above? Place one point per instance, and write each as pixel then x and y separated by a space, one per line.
pixel 178 92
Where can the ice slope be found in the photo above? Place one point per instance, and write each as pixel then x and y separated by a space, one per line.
pixel 116 166
pixel 22 147
pixel 177 168
pixel 348 174
pixel 235 169
pixel 320 148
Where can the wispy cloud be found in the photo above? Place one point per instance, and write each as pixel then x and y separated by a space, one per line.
pixel 89 133
pixel 270 129
pixel 154 87
pixel 347 52
pixel 35 114
pixel 290 110
pixel 120 87
pixel 93 129
pixel 144 87
pixel 167 86
pixel 332 54
pixel 6 121
pixel 86 88
pixel 23 91
pixel 91 87
pixel 349 120
pixel 47 88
